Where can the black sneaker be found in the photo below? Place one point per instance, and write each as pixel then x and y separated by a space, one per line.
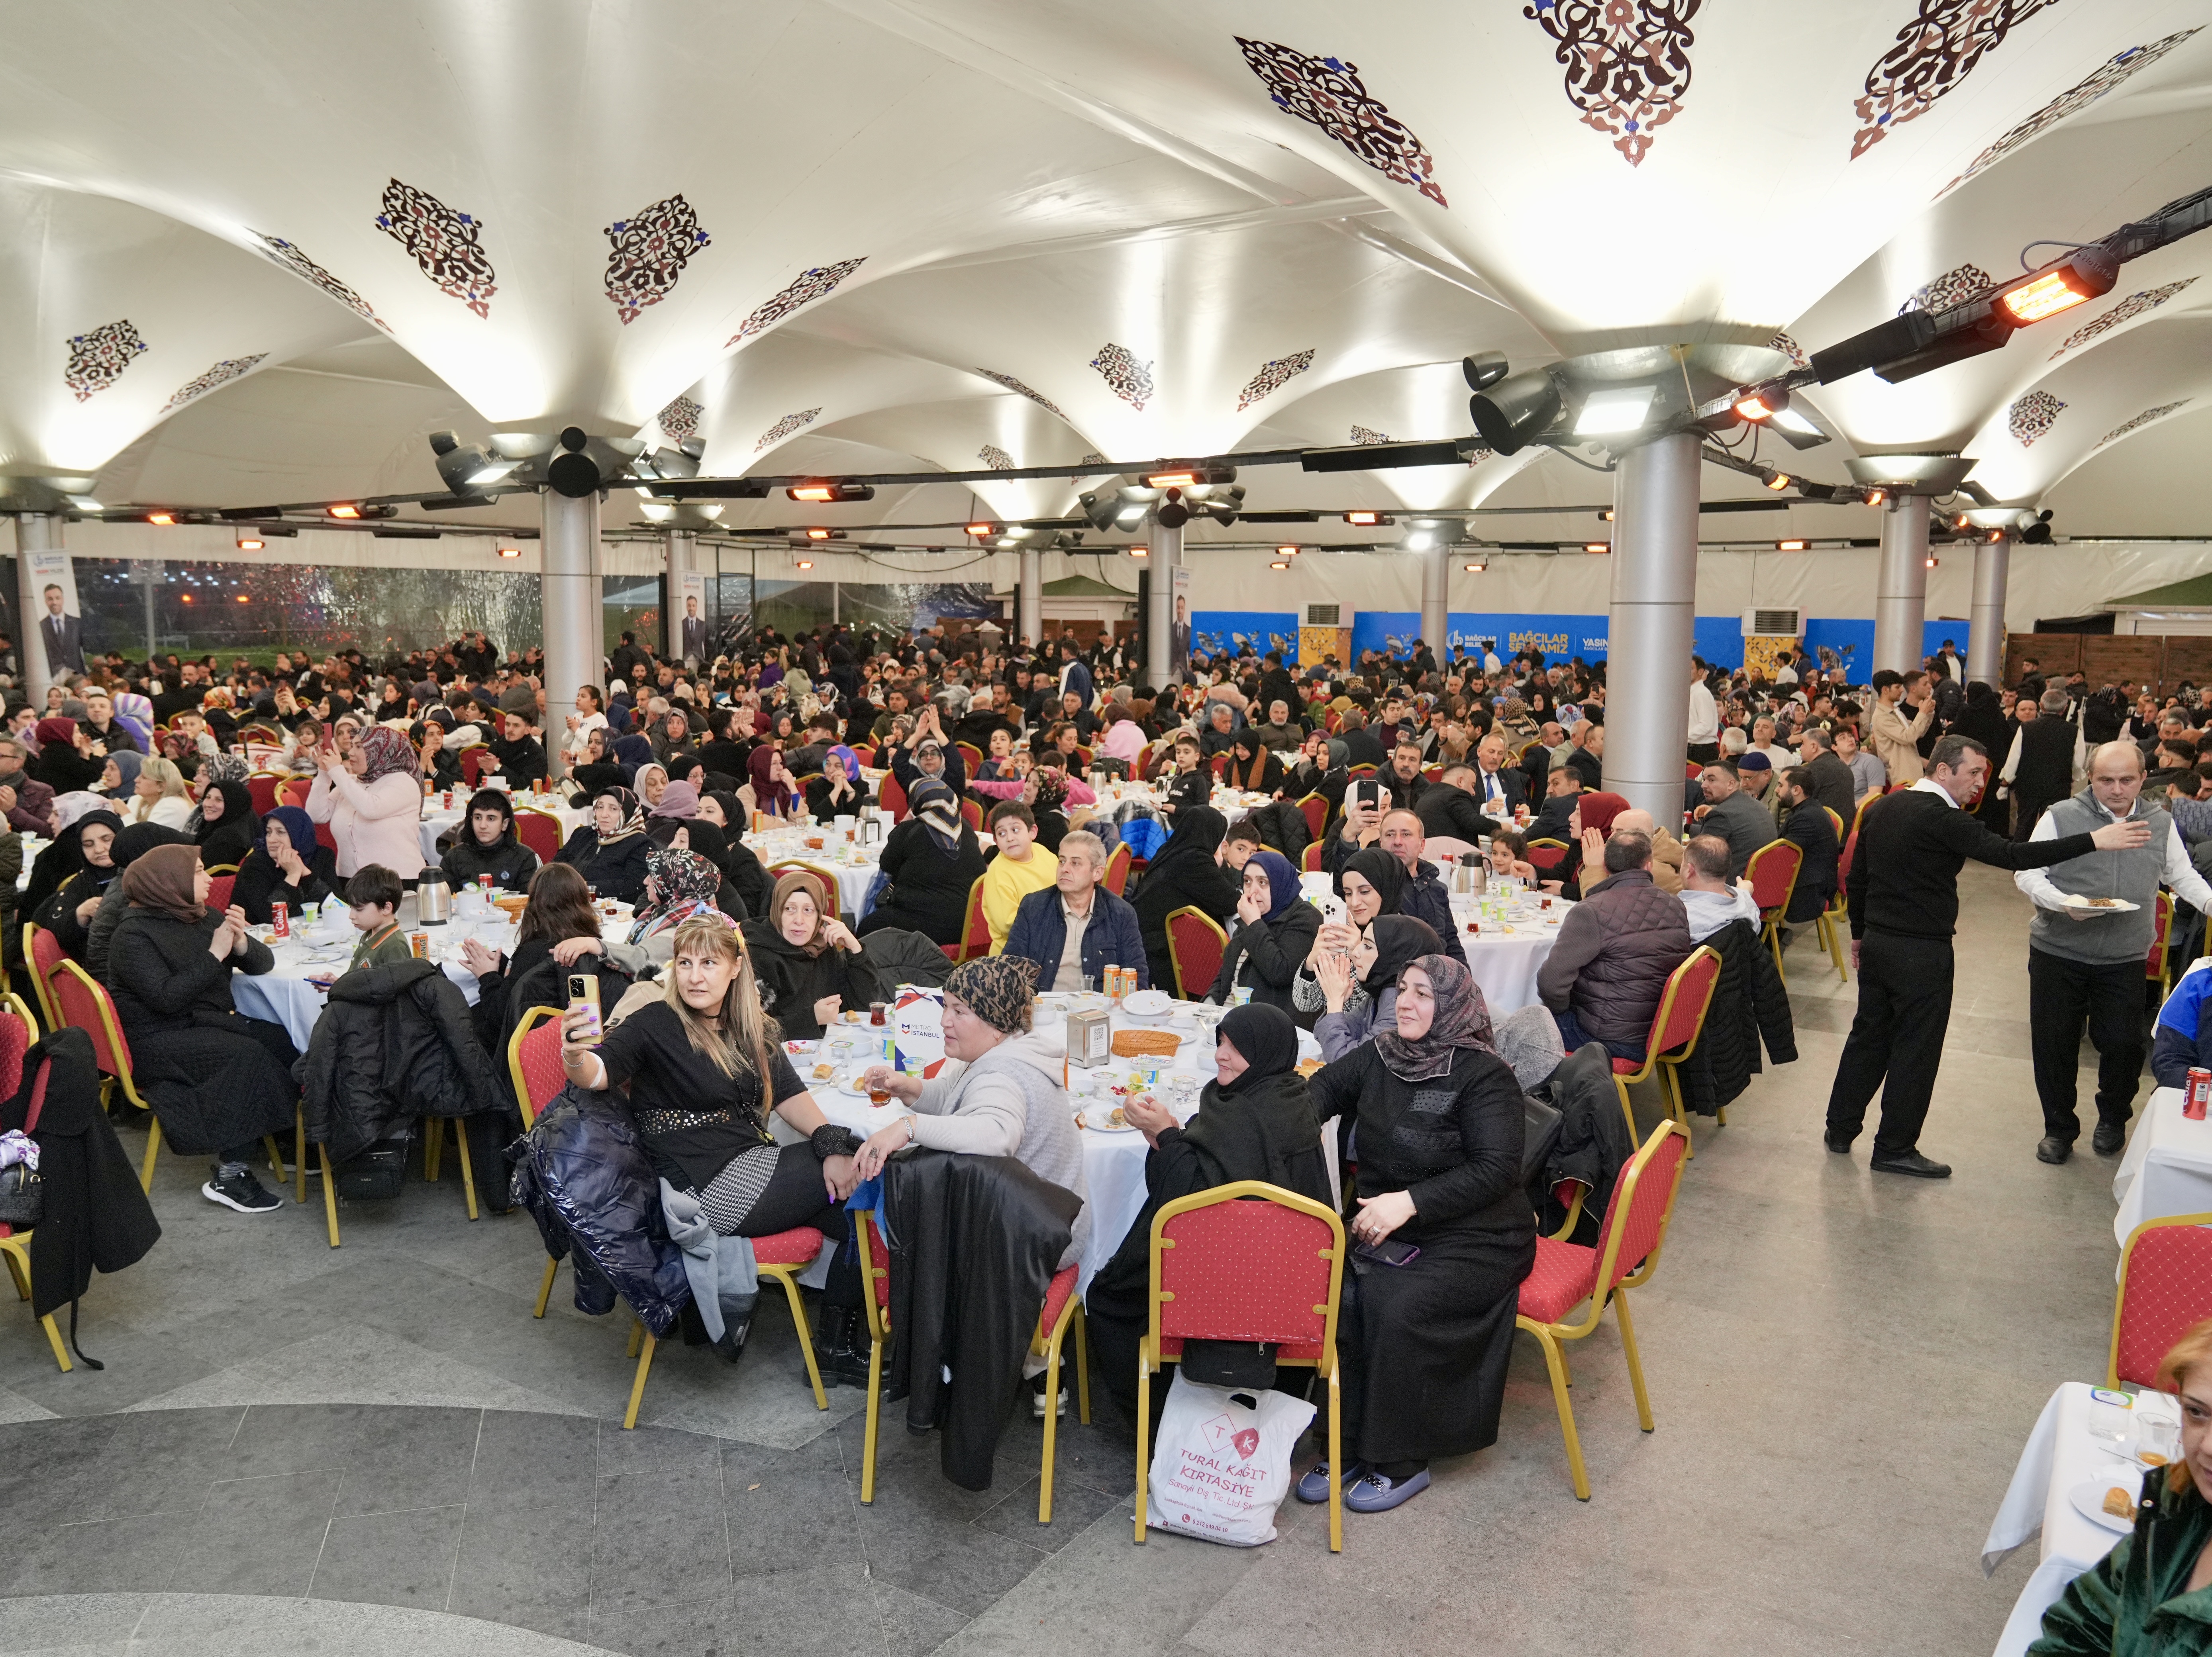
pixel 238 1188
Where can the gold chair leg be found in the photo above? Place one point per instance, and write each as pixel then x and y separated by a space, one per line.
pixel 1082 1368
pixel 300 1148
pixel 636 1337
pixel 153 1150
pixel 545 1288
pixel 1635 1363
pixel 1145 1435
pixel 1051 1424
pixel 1627 1109
pixel 637 1386
pixel 1555 1361
pixel 15 1271
pixel 1335 1463
pixel 54 1340
pixel 790 1282
pixel 275 1158
pixel 1670 1093
pixel 875 1417
pixel 468 1174
pixel 330 1193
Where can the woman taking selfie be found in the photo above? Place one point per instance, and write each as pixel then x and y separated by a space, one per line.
pixel 1441 1238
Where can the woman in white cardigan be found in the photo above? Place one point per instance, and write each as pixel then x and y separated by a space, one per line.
pixel 372 801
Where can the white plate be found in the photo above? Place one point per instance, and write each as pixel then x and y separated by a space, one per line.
pixel 1147 1006
pixel 2088 1496
pixel 2118 906
pixel 1095 1122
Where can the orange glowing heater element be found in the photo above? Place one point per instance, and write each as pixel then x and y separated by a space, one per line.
pixel 814 492
pixel 1279 563
pixel 345 512
pixel 1366 519
pixel 1286 552
pixel 1597 546
pixel 164 518
pixel 806 563
pixel 510 552
pixel 249 545
pixel 982 529
pixel 1754 407
pixel 817 534
pixel 1181 480
pixel 2053 291
pixel 1790 546
pixel 1876 497
pixel 1780 481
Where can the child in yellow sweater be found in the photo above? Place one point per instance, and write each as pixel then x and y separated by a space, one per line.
pixel 1018 870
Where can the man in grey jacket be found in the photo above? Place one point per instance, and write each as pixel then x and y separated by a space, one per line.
pixel 2085 964
pixel 1733 815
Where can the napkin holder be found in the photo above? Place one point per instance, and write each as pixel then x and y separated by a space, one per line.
pixel 1089 1040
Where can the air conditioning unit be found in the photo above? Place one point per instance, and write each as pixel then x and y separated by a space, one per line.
pixel 1324 615
pixel 1773 624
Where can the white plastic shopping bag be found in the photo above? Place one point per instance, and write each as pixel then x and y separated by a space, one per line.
pixel 1222 1465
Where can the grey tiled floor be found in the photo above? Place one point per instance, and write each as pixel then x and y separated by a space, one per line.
pixel 377 1450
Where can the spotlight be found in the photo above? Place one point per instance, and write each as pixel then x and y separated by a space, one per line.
pixel 1279 563
pixel 2081 276
pixel 1790 420
pixel 1171 511
pixel 1483 370
pixel 820 492
pixel 1420 538
pixel 1791 546
pixel 510 552
pixel 984 528
pixel 1765 403
pixel 345 510
pixel 1605 513
pixel 1776 481
pixel 248 543
pixel 1511 412
pixel 1369 520
pixel 1597 546
pixel 1609 413
pixel 805 563
pixel 166 519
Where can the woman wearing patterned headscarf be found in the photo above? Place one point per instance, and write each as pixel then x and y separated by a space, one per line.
pixel 1273 934
pixel 610 851
pixel 1423 1343
pixel 930 861
pixel 678 884
pixel 1004 1098
pixel 372 801
pixel 810 966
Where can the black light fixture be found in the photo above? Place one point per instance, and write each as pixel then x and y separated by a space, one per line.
pixel 468 468
pixel 818 491
pixel 1513 410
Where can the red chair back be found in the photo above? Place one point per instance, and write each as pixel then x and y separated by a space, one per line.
pixel 1546 855
pixel 1694 769
pixel 539 830
pixel 1773 871
pixel 296 791
pixel 1843 861
pixel 1317 811
pixel 324 838
pixel 472 763
pixel 533 1060
pixel 973 755
pixel 892 797
pixel 2166 1286
pixel 83 1002
pixel 1195 945
pixel 1247 1261
pixel 1310 859
pixel 220 887
pixel 262 788
pixel 972 814
pixel 1642 1202
pixel 47 957
pixel 1689 992
pixel 1220 763
pixel 16 1037
pixel 1117 869
pixel 975 929
pixel 2163 924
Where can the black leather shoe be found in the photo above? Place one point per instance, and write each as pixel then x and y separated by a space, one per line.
pixel 2052 1148
pixel 1841 1147
pixel 1913 1164
pixel 2109 1138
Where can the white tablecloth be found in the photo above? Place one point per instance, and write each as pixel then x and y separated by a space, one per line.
pixel 1113 1163
pixel 1505 963
pixel 437 818
pixel 2061 1453
pixel 2168 1168
pixel 856 880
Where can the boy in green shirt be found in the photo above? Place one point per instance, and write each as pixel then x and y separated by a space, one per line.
pixel 373 905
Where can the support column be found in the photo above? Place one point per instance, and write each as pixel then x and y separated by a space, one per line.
pixel 569 585
pixel 1164 661
pixel 35 532
pixel 1985 643
pixel 678 547
pixel 1435 600
pixel 1029 610
pixel 1900 601
pixel 1653 624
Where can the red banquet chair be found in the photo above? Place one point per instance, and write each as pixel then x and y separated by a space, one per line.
pixel 262 788
pixel 1117 869
pixel 975 929
pixel 222 879
pixel 1310 859
pixel 1220 763
pixel 1315 808
pixel 1195 946
pixel 1567 1275
pixel 1772 871
pixel 17 1032
pixel 2154 967
pixel 296 791
pixel 1060 1310
pixel 1675 1026
pixel 539 830
pixel 971 813
pixel 972 755
pixel 472 763
pixel 2166 1286
pixel 892 798
pixel 44 951
pixel 1546 855
pixel 1246 1261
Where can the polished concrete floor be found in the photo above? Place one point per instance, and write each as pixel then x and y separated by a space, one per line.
pixel 377 1450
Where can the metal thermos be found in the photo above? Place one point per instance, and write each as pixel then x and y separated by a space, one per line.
pixel 433 898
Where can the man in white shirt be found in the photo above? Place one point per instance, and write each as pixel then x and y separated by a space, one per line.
pixel 1491 665
pixel 1706 894
pixel 2085 964
pixel 1762 742
pixel 1705 716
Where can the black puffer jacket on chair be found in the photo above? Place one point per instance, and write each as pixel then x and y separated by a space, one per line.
pixel 396 1042
pixel 1750 1005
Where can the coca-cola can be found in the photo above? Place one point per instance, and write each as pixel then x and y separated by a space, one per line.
pixel 280 919
pixel 2196 1095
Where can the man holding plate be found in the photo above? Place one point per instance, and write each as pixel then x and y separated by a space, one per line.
pixel 2095 919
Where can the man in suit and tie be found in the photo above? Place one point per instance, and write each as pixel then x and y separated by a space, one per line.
pixel 61 631
pixel 695 630
pixel 1495 785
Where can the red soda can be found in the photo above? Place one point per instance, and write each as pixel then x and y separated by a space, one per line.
pixel 483 884
pixel 2196 1095
pixel 280 919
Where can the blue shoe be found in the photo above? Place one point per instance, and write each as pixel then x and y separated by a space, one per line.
pixel 1313 1487
pixel 1377 1493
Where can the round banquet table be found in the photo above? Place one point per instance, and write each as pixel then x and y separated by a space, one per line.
pixel 1506 954
pixel 1112 1161
pixel 438 818
pixel 854 866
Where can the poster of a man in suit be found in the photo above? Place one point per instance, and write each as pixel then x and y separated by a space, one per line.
pixel 61 634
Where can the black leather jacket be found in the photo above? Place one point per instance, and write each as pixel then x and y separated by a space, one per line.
pixel 396 1041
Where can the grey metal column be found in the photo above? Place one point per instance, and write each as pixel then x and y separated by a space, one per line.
pixel 35 532
pixel 1653 624
pixel 1435 600
pixel 1985 643
pixel 568 581
pixel 1900 600
pixel 1162 662
pixel 678 546
pixel 1028 612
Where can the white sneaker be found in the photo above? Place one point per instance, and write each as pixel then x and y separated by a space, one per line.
pixel 1036 1404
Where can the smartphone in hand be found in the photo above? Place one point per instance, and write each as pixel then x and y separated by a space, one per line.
pixel 584 991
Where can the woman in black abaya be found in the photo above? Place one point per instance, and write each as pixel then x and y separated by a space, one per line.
pixel 1187 872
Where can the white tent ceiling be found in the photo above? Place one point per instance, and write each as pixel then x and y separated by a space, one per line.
pixel 258 251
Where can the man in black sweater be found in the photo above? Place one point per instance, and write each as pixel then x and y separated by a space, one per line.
pixel 1904 893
